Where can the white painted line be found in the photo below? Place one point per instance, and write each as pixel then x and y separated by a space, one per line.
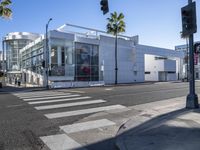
pixel 83 111
pixel 52 97
pixel 34 93
pixel 59 100
pixel 37 96
pixel 69 104
pixel 81 92
pixel 86 125
pixel 61 142
pixel 109 89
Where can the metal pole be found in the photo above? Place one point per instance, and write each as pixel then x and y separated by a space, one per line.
pixel 192 98
pixel 3 63
pixel 47 55
pixel 187 53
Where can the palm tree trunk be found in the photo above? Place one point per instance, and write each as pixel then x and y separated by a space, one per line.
pixel 116 68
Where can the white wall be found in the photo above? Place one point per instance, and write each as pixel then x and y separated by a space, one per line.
pixel 155 66
pixel 127 61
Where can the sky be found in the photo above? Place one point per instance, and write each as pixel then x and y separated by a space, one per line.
pixel 157 22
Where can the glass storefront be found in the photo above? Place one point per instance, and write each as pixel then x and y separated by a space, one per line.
pixel 87 62
pixel 61 58
pixel 78 61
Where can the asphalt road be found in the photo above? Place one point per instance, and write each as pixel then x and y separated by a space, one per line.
pixel 21 124
pixel 130 95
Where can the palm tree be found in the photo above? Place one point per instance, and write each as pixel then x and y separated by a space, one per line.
pixel 115 26
pixel 5 12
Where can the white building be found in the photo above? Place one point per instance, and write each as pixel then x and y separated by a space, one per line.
pixel 185 49
pixel 79 59
pixel 12 43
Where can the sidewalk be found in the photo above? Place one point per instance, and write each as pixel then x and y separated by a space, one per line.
pixel 161 125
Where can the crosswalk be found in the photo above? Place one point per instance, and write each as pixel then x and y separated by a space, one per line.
pixel 56 100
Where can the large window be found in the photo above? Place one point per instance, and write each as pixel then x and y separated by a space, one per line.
pixel 87 62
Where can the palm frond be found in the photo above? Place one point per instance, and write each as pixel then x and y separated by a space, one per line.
pixel 5 2
pixel 5 12
pixel 115 23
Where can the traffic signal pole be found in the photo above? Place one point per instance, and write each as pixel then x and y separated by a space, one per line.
pixel 192 98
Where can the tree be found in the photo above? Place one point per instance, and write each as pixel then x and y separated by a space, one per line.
pixel 115 26
pixel 5 12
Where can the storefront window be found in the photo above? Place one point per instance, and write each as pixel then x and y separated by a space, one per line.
pixel 87 62
pixel 54 57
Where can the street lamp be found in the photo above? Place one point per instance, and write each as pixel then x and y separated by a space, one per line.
pixel 47 54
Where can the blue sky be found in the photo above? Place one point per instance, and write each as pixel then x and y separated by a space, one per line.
pixel 157 22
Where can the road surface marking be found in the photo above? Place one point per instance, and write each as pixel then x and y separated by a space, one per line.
pixel 81 92
pixel 52 97
pixel 59 100
pixel 33 93
pixel 86 125
pixel 37 96
pixel 61 142
pixel 109 89
pixel 69 104
pixel 83 111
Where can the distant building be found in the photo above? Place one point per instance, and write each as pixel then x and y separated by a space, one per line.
pixel 12 43
pixel 185 50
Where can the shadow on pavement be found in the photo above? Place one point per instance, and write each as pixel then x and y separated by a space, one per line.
pixel 156 134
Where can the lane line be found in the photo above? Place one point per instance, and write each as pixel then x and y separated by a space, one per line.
pixel 69 104
pixel 59 100
pixel 83 111
pixel 52 97
pixel 86 125
pixel 37 96
pixel 61 142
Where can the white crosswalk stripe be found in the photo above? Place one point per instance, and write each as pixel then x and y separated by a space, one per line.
pixel 35 93
pixel 83 111
pixel 59 100
pixel 69 104
pixel 44 101
pixel 43 95
pixel 83 126
pixel 61 142
pixel 52 97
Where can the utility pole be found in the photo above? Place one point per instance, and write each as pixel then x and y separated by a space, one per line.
pixel 46 56
pixel 192 98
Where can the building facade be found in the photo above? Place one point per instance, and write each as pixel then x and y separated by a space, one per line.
pixel 77 59
pixel 185 50
pixel 12 43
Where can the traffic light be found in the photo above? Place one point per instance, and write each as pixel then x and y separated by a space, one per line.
pixel 188 14
pixel 104 6
pixel 197 48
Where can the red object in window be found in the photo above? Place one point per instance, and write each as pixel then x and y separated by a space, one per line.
pixel 195 59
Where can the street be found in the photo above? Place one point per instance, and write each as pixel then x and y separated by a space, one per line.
pixel 32 119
